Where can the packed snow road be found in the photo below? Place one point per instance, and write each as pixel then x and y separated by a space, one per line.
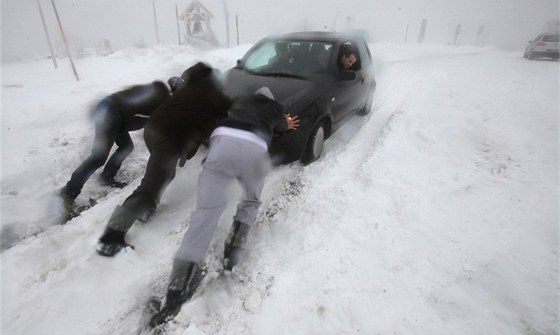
pixel 435 214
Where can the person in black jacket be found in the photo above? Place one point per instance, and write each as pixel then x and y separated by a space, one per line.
pixel 172 134
pixel 238 151
pixel 114 116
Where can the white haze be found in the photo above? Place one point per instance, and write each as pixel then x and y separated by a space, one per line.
pixel 509 23
pixel 436 214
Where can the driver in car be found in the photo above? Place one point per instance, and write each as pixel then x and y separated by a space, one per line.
pixel 348 57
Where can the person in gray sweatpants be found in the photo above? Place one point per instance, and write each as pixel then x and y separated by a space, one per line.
pixel 172 135
pixel 238 152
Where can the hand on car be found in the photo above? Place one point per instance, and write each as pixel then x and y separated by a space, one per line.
pixel 293 121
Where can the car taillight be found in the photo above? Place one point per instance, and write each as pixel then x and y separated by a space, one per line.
pixel 541 44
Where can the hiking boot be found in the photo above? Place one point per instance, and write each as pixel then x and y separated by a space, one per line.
pixel 233 245
pixel 67 195
pixel 145 216
pixel 178 291
pixel 111 242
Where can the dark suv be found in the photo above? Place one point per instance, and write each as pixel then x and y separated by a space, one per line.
pixel 304 74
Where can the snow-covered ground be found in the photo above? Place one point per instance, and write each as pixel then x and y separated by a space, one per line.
pixel 436 214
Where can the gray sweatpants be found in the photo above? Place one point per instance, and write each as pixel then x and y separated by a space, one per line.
pixel 229 159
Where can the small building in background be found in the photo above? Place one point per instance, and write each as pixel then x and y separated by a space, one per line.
pixel 197 26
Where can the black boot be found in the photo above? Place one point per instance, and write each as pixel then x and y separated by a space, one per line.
pixel 111 242
pixel 110 181
pixel 234 244
pixel 179 290
pixel 68 210
pixel 68 195
pixel 145 216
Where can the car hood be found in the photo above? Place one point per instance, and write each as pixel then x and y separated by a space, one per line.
pixel 290 92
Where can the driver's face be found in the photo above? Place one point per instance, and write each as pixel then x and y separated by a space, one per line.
pixel 347 62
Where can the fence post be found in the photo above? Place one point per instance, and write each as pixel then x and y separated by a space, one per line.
pixel 406 34
pixel 155 20
pixel 47 34
pixel 422 35
pixel 457 32
pixel 237 28
pixel 177 18
pixel 64 40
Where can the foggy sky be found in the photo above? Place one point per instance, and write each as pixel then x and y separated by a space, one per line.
pixel 509 23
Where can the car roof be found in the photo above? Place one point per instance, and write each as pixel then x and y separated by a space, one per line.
pixel 327 36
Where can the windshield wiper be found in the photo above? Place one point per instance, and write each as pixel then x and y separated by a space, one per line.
pixel 280 74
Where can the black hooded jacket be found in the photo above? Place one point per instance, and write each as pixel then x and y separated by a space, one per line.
pixel 191 113
pixel 258 114
pixel 138 102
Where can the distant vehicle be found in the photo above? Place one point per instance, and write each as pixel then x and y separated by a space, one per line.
pixel 302 71
pixel 545 45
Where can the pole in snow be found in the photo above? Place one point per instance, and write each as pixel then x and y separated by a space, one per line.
pixel 64 39
pixel 177 17
pixel 422 35
pixel 227 22
pixel 457 32
pixel 155 20
pixel 406 34
pixel 47 34
pixel 237 28
pixel 333 26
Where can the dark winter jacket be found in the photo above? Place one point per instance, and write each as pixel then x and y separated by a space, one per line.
pixel 138 102
pixel 191 114
pixel 258 114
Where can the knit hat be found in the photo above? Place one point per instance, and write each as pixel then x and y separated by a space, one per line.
pixel 266 92
pixel 196 73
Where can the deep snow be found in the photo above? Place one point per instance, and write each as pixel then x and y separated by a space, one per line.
pixel 435 214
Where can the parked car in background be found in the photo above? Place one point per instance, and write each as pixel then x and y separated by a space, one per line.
pixel 545 45
pixel 302 71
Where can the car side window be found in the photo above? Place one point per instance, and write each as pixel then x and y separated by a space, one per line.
pixel 551 38
pixel 365 56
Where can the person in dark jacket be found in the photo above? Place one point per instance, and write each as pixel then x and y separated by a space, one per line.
pixel 238 151
pixel 114 116
pixel 172 134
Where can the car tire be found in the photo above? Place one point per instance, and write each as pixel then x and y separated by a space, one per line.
pixel 530 56
pixel 315 143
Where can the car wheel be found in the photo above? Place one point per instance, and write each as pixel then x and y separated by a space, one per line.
pixel 315 143
pixel 530 56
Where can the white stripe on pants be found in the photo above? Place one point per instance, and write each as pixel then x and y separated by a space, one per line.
pixel 229 159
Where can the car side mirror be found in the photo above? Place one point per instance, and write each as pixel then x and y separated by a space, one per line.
pixel 347 75
pixel 238 65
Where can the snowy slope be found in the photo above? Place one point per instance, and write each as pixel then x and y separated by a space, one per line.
pixel 436 214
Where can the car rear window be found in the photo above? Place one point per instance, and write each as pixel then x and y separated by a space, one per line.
pixel 551 38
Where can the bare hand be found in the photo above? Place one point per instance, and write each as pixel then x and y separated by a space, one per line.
pixel 293 121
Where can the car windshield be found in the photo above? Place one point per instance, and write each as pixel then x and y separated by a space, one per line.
pixel 551 38
pixel 289 58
